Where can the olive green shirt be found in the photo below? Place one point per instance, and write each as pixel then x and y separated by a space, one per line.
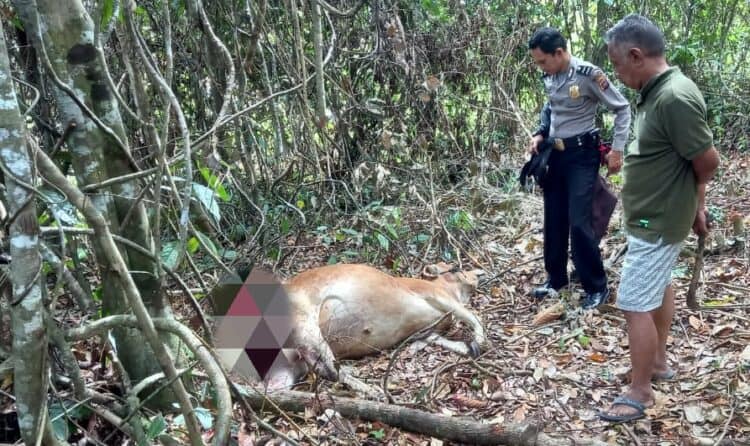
pixel 660 193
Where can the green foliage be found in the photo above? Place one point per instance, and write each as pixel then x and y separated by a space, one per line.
pixel 215 184
pixel 378 434
pixel 108 10
pixel 460 219
pixel 64 415
pixel 155 427
pixel 205 418
pixel 208 199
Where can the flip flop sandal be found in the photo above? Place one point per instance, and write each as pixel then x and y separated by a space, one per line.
pixel 625 401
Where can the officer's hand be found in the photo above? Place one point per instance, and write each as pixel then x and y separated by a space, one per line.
pixel 534 144
pixel 614 162
pixel 701 222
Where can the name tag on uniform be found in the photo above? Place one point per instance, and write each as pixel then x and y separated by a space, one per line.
pixel 574 93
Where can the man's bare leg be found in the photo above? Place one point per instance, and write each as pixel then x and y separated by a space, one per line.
pixel 643 339
pixel 663 320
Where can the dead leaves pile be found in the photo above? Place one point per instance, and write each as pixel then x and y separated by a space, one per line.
pixel 552 363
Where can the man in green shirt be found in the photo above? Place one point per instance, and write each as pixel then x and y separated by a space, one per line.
pixel 665 172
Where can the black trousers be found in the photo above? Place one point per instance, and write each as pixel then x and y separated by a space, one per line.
pixel 567 215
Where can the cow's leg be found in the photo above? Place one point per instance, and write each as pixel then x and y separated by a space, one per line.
pixel 459 311
pixel 346 377
pixel 455 346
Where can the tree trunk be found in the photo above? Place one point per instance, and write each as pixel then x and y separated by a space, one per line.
pixel 27 307
pixel 98 155
pixel 320 91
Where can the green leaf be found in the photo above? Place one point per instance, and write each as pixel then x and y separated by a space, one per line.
pixel 192 245
pixel 378 434
pixel 17 22
pixel 208 242
pixel 207 197
pixel 205 418
pixel 156 427
pixel 170 254
pixel 383 241
pixel 584 340
pixel 82 253
pixel 349 231
pixel 333 260
pixel 421 238
pixel 391 231
pixel 59 422
pixel 229 254
pixel 461 220
pixel 284 226
pixel 214 183
pixel 108 10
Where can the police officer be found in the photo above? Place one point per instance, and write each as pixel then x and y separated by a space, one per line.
pixel 574 90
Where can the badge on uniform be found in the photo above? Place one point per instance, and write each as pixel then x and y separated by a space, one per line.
pixel 574 92
pixel 601 79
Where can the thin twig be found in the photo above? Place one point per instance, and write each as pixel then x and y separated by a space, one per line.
pixel 726 425
pixel 631 434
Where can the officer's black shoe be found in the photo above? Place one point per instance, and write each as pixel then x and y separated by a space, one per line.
pixel 545 290
pixel 593 300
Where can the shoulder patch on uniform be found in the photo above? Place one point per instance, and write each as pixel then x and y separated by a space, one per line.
pixel 585 70
pixel 601 79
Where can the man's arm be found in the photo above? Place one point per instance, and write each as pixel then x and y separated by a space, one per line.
pixel 704 167
pixel 542 132
pixel 616 103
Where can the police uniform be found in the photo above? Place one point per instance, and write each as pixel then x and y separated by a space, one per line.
pixel 568 120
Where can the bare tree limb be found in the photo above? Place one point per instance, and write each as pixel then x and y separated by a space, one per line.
pixel 460 430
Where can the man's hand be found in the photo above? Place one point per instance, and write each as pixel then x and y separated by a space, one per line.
pixel 700 224
pixel 614 162
pixel 534 144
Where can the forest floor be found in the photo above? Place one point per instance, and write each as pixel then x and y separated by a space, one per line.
pixel 561 371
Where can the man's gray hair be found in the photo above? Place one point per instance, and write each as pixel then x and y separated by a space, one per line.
pixel 638 32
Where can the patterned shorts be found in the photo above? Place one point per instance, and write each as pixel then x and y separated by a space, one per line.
pixel 646 273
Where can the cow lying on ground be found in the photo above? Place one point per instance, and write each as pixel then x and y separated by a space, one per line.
pixel 349 310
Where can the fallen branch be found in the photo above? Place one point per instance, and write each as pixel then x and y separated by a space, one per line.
pixel 692 302
pixel 462 430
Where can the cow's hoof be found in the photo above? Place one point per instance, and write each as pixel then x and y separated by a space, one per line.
pixel 474 350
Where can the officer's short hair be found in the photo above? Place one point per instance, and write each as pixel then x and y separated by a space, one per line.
pixel 548 40
pixel 639 32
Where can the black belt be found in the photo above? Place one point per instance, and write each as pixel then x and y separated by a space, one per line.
pixel 588 139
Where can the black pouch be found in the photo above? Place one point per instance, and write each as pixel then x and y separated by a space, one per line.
pixel 536 167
